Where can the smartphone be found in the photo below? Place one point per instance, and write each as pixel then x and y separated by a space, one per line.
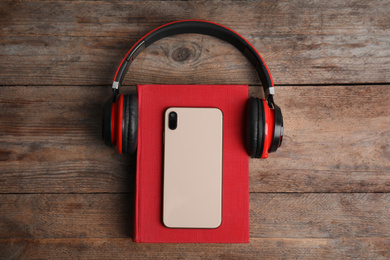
pixel 192 185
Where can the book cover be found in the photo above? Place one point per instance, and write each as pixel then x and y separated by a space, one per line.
pixel 153 101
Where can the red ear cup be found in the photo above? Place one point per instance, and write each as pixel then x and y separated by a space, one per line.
pixel 120 123
pixel 269 124
pixel 264 128
pixel 107 125
pixel 112 122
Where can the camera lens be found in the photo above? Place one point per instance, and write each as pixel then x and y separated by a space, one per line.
pixel 172 121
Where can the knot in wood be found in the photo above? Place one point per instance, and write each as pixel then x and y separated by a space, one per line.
pixel 185 53
pixel 181 54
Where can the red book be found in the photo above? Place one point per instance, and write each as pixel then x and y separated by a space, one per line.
pixel 153 101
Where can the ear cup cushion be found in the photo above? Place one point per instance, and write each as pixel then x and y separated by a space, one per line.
pixel 133 124
pixel 130 124
pixel 278 130
pixel 260 128
pixel 255 127
pixel 252 129
pixel 125 123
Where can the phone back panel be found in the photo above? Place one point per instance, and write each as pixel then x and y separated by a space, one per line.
pixel 192 186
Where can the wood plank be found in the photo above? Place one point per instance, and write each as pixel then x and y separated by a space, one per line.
pixel 272 215
pixel 120 248
pixel 66 215
pixel 81 43
pixel 337 139
pixel 319 215
pixel 87 18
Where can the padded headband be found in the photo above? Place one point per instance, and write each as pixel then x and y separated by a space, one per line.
pixel 198 27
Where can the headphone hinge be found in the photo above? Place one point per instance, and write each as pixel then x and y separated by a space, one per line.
pixel 270 101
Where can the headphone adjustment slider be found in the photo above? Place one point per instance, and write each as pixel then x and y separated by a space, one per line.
pixel 115 85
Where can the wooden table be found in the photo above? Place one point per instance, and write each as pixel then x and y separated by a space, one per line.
pixel 324 194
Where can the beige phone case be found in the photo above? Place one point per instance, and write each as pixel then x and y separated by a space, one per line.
pixel 192 189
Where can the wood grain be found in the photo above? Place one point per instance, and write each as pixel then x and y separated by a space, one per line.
pixel 303 42
pixel 259 248
pixel 272 215
pixel 337 139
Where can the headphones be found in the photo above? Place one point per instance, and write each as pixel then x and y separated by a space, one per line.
pixel 264 132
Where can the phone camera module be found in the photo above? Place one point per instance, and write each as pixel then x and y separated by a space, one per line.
pixel 172 120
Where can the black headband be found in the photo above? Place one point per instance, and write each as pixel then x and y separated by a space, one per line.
pixel 198 27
